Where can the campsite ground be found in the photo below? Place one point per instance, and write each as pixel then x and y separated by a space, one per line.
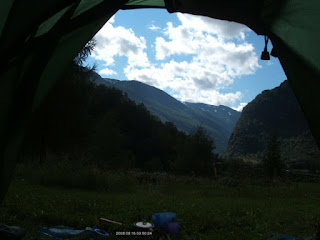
pixel 206 209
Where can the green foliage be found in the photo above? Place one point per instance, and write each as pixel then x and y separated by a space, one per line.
pixel 215 119
pixel 271 161
pixel 205 210
pixel 88 177
pixel 275 109
pixel 202 155
pixel 84 53
pixel 196 155
pixel 81 118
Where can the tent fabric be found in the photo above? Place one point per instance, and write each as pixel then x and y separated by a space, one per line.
pixel 144 4
pixel 295 23
pixel 40 38
pixel 31 70
pixel 304 80
pixel 296 36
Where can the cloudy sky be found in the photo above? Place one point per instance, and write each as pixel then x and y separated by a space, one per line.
pixel 192 58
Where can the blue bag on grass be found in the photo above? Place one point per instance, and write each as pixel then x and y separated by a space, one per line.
pixel 284 238
pixel 162 219
pixel 62 232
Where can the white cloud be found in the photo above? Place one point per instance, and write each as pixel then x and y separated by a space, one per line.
pixel 213 97
pixel 206 48
pixel 154 28
pixel 217 53
pixel 214 53
pixel 189 81
pixel 269 63
pixel 223 29
pixel 119 41
pixel 108 72
pixel 240 107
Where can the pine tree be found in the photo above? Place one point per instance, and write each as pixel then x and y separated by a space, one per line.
pixel 272 163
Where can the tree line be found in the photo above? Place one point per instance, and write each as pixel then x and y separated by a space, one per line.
pixel 98 125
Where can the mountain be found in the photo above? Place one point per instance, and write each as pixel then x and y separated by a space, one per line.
pixel 274 110
pixel 226 114
pixel 218 121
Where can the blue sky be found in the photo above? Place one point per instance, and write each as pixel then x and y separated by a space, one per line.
pixel 193 58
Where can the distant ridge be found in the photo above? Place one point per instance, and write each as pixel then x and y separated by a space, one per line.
pixel 218 121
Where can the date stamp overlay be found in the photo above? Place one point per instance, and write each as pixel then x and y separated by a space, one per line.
pixel 133 233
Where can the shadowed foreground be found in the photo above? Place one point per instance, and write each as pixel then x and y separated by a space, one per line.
pixel 205 209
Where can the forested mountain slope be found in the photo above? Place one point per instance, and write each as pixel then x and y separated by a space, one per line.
pixel 218 121
pixel 274 110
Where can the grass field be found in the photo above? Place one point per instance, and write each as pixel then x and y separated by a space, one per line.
pixel 205 209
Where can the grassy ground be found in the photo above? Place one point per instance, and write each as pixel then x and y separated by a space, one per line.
pixel 205 209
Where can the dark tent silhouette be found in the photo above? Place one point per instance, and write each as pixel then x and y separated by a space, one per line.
pixel 38 39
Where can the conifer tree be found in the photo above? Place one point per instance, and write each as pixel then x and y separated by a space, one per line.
pixel 272 163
